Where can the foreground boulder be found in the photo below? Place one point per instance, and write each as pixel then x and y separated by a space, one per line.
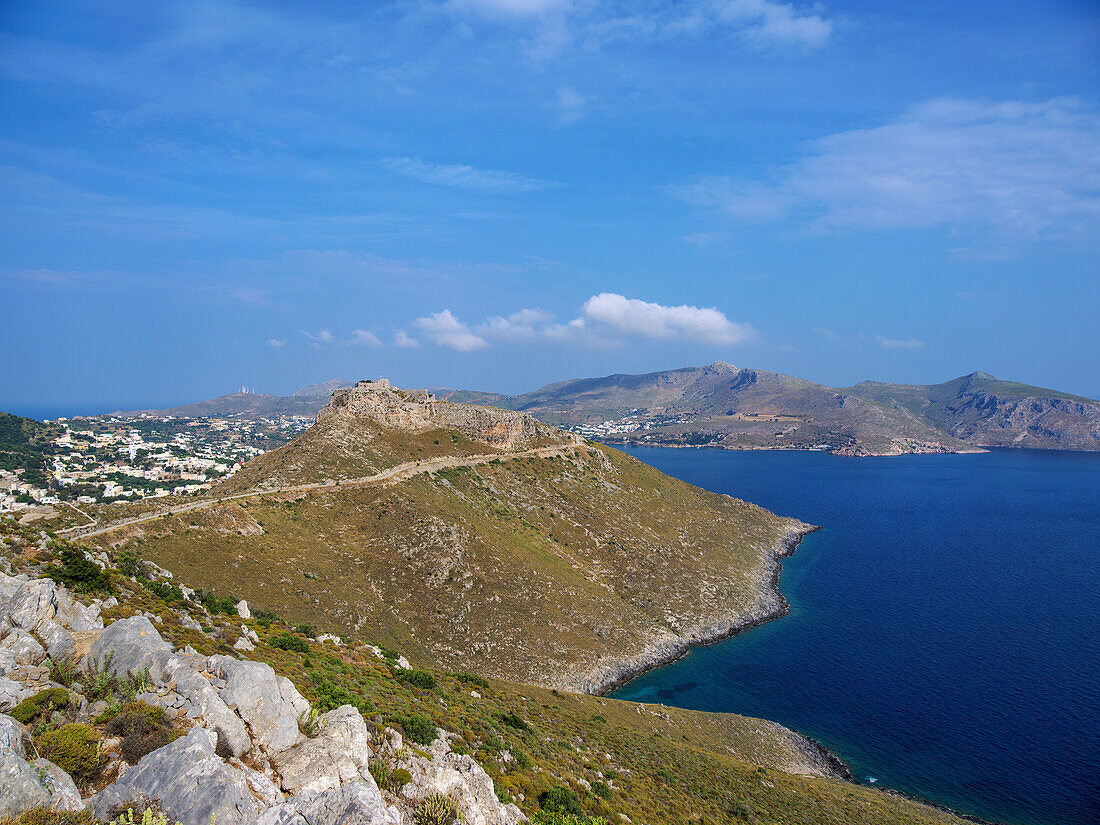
pixel 357 803
pixel 192 785
pixel 269 703
pixel 25 785
pixel 339 752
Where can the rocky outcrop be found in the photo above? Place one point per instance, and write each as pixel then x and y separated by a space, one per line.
pixel 417 411
pixel 338 752
pixel 192 784
pixel 357 803
pixel 25 783
pixel 268 703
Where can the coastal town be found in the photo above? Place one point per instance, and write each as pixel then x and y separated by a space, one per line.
pixel 115 459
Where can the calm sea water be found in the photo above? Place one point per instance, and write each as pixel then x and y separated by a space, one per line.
pixel 944 636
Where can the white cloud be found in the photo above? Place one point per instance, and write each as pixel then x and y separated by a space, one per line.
pixel 1009 170
pixel 769 22
pixel 606 319
pixel 631 316
pixel 511 8
pixel 464 176
pixel 323 336
pixel 570 105
pixel 898 343
pixel 445 330
pixel 365 338
pixel 275 342
pixel 404 340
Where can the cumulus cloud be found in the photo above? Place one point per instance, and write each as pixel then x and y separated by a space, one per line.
pixel 464 176
pixel 445 330
pixel 275 342
pixel 1010 170
pixel 404 340
pixel 605 319
pixel 323 336
pixel 510 8
pixel 365 338
pixel 899 343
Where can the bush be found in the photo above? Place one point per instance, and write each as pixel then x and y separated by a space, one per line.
pixel 473 679
pixel 436 809
pixel 400 778
pixel 129 563
pixel 307 630
pixel 74 748
pixel 523 761
pixel 165 590
pixel 514 721
pixel 419 729
pixel 556 818
pixel 420 678
pixel 217 604
pixel 601 789
pixel 265 618
pixel 45 701
pixel 561 800
pixel 64 672
pixel 330 697
pixel 284 641
pixel 141 729
pixel 48 816
pixel 77 572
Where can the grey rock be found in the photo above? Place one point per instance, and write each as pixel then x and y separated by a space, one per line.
pixel 23 647
pixel 59 785
pixel 20 787
pixel 243 644
pixel 13 736
pixel 339 752
pixel 12 693
pixel 188 622
pixel 134 644
pixel 33 603
pixel 76 616
pixel 461 778
pixel 357 803
pixel 59 641
pixel 189 782
pixel 269 703
pixel 242 610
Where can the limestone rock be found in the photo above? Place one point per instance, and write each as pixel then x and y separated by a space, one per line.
pixel 461 778
pixel 13 736
pixel 243 644
pixel 356 803
pixel 338 753
pixel 23 647
pixel 189 782
pixel 60 787
pixel 59 641
pixel 242 610
pixel 269 703
pixel 33 603
pixel 20 788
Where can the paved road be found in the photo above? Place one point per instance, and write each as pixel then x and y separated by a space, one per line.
pixel 397 473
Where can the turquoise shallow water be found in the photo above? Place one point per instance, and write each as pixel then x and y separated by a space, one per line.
pixel 944 636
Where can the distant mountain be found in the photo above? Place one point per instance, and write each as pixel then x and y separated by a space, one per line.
pixel 307 401
pixel 721 405
pixel 986 411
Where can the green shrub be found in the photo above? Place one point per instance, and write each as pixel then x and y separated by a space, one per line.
pixel 307 630
pixel 48 816
pixel 165 590
pixel 264 618
pixel 561 800
pixel 284 641
pixel 63 672
pixel 330 697
pixel 142 729
pixel 420 678
pixel 129 563
pixel 523 761
pixel 514 721
pixel 557 818
pixel 74 748
pixel 217 604
pixel 601 789
pixel 400 778
pixel 419 729
pixel 436 809
pixel 472 678
pixel 45 701
pixel 77 572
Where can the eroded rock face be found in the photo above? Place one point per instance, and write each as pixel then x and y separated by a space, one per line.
pixel 461 778
pixel 416 411
pixel 59 786
pixel 357 803
pixel 23 648
pixel 20 788
pixel 190 783
pixel 269 703
pixel 339 752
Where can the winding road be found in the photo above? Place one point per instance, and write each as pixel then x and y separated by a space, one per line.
pixel 396 473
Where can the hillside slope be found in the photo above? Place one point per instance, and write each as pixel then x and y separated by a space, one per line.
pixel 986 411
pixel 723 406
pixel 570 571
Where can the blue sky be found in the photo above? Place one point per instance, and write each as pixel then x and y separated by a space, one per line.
pixel 497 194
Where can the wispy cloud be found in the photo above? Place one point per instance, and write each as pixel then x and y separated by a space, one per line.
pixel 464 176
pixel 404 340
pixel 323 336
pixel 606 319
pixel 364 337
pixel 1011 170
pixel 275 342
pixel 899 343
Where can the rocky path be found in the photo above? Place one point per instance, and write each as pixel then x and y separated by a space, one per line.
pixel 398 473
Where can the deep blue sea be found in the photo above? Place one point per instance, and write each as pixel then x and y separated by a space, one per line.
pixel 944 633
